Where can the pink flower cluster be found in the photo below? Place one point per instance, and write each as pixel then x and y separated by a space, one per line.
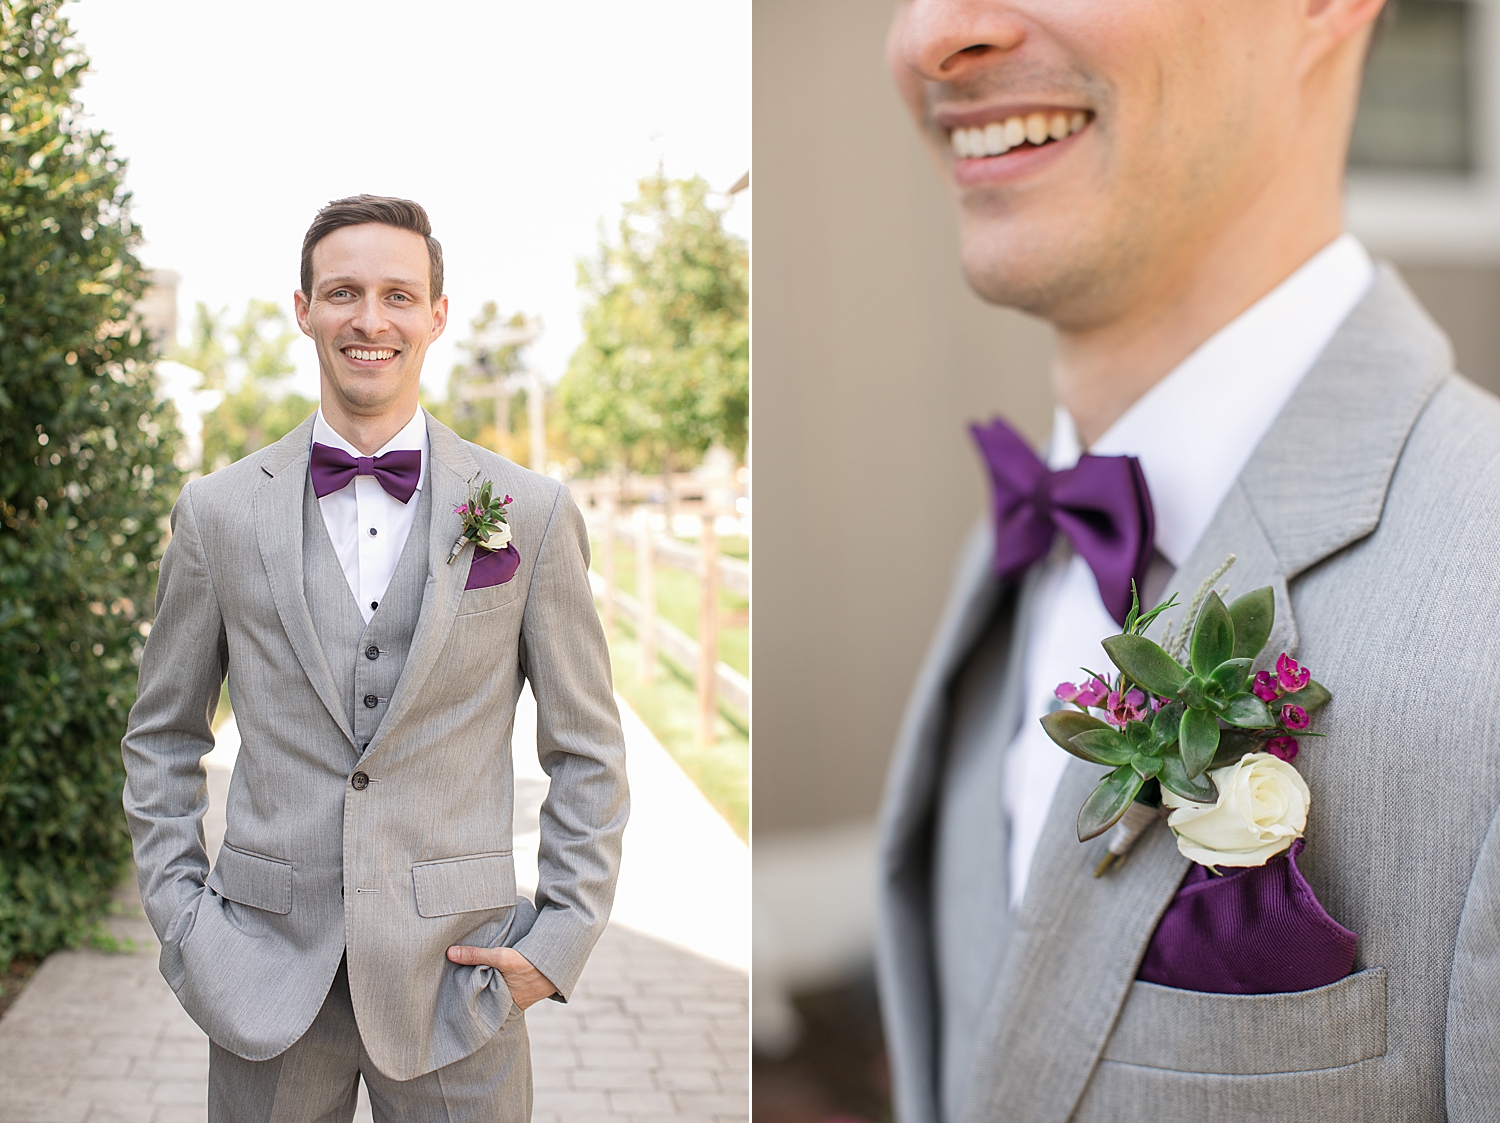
pixel 1118 709
pixel 1289 678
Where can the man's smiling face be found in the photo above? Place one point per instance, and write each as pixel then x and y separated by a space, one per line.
pixel 1088 142
pixel 371 314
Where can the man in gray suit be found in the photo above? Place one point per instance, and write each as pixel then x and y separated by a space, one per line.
pixel 362 917
pixel 1162 182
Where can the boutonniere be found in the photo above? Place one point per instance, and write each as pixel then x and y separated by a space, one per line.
pixel 485 520
pixel 1189 731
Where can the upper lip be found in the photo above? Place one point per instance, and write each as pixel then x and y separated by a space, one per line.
pixel 950 117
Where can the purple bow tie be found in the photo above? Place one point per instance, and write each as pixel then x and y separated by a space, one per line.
pixel 398 472
pixel 1102 505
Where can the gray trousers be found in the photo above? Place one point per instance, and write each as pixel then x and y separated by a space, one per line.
pixel 317 1079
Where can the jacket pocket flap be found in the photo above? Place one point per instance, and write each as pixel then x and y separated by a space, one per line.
pixel 249 879
pixel 469 884
pixel 1247 1034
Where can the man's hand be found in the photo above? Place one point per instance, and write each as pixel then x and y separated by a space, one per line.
pixel 526 984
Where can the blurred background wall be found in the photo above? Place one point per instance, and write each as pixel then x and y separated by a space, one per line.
pixel 871 356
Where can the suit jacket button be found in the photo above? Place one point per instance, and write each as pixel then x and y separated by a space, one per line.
pixel 371 701
pixel 359 781
pixel 372 652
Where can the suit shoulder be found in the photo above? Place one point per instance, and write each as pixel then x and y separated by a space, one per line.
pixel 533 487
pixel 228 486
pixel 1458 431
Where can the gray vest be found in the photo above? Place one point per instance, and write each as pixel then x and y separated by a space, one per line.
pixel 366 659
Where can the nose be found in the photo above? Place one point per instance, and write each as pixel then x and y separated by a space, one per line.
pixel 369 318
pixel 946 40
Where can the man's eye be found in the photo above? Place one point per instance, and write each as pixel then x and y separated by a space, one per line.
pixel 398 296
pixel 336 293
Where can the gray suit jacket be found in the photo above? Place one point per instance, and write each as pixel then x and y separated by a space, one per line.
pixel 419 859
pixel 1373 509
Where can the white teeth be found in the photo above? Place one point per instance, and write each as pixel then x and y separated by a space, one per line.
pixel 994 139
pixel 999 137
pixel 370 356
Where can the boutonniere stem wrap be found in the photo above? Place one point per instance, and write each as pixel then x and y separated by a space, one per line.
pixel 486 520
pixel 1207 740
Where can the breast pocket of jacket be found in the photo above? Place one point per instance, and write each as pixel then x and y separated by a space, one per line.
pixel 1250 1034
pixel 252 879
pixel 487 600
pixel 472 883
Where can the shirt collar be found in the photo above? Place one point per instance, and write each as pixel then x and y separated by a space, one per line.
pixel 1246 371
pixel 413 435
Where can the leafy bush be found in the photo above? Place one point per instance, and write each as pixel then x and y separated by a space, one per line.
pixel 86 479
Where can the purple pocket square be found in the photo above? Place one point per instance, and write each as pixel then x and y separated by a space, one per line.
pixel 1254 931
pixel 492 567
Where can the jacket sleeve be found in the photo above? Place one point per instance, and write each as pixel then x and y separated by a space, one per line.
pixel 581 747
pixel 170 728
pixel 1473 1037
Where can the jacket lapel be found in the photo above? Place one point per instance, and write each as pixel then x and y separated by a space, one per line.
pixel 280 541
pixel 1315 484
pixel 449 471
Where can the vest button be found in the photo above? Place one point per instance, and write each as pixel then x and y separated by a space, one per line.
pixel 372 652
pixel 359 781
pixel 371 701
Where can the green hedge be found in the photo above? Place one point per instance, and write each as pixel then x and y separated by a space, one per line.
pixel 86 480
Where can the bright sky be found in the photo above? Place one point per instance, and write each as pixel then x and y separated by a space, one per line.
pixel 517 125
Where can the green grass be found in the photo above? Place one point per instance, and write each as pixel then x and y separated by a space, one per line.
pixel 669 707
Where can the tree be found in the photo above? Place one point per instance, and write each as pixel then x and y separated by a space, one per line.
pixel 86 480
pixel 486 421
pixel 250 363
pixel 664 368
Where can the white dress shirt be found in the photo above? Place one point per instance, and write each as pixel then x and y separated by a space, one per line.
pixel 367 525
pixel 1245 373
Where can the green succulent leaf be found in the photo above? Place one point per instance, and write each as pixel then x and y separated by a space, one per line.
pixel 1233 744
pixel 1064 725
pixel 1174 777
pixel 1198 740
pixel 1248 712
pixel 1108 802
pixel 1138 733
pixel 1165 725
pixel 1101 746
pixel 1147 764
pixel 1313 696
pixel 1213 637
pixel 1146 663
pixel 1252 614
pixel 1229 676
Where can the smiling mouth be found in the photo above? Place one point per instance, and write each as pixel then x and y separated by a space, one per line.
pixel 1034 130
pixel 370 354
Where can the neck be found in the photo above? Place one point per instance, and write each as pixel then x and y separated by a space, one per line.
pixel 1103 367
pixel 367 432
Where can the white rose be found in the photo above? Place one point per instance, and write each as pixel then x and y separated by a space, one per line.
pixel 1262 809
pixel 499 540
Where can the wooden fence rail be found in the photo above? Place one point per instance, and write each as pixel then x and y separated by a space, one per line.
pixel 601 502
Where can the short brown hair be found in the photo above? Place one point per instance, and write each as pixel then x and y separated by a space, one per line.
pixel 359 209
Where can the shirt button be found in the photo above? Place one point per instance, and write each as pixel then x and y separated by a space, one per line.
pixel 374 604
pixel 371 701
pixel 372 652
pixel 372 532
pixel 359 781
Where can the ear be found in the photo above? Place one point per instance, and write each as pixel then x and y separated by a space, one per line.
pixel 439 317
pixel 300 307
pixel 1330 25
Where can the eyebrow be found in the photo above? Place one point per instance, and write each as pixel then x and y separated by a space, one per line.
pixel 399 282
